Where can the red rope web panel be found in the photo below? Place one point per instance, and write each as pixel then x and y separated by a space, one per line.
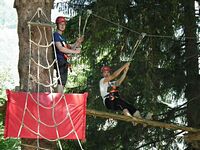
pixel 20 103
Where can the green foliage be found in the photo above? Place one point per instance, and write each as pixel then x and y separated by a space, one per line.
pixel 6 82
pixel 77 77
pixel 156 76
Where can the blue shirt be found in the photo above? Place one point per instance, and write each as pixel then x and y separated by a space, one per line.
pixel 59 38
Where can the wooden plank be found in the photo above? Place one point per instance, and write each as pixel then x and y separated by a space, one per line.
pixel 42 24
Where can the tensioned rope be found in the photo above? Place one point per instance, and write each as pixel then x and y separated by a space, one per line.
pixel 139 33
pixel 49 85
pixel 74 5
pixel 131 30
pixel 134 31
pixel 134 49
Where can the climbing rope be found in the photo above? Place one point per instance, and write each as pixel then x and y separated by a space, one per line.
pixel 136 32
pixel 129 57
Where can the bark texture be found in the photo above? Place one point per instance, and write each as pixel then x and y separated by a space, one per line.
pixel 192 70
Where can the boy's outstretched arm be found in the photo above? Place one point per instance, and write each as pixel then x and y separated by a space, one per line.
pixel 121 79
pixel 116 73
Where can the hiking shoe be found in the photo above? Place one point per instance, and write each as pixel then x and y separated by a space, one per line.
pixel 137 114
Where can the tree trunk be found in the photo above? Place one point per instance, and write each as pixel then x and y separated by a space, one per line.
pixel 192 70
pixel 25 10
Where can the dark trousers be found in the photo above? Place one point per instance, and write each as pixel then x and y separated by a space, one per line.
pixel 116 103
pixel 62 64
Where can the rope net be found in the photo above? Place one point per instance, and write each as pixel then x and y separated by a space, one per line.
pixel 50 116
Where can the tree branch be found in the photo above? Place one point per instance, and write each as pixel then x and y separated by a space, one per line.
pixel 192 137
pixel 153 142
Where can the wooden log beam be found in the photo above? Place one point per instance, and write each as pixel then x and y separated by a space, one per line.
pixel 140 121
pixel 107 115
pixel 192 137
